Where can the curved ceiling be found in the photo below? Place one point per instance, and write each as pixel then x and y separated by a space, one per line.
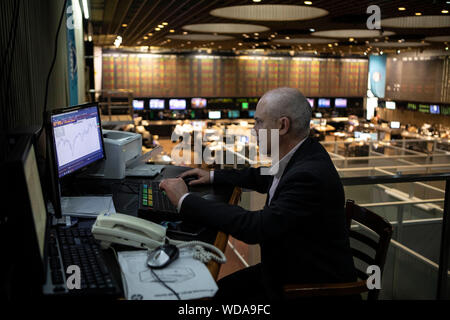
pixel 225 27
pixel 352 33
pixel 442 21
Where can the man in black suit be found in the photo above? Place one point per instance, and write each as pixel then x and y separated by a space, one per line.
pixel 301 229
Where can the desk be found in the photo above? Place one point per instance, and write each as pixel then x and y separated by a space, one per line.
pixel 125 197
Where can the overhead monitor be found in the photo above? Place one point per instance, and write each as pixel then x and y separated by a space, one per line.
pixel 395 124
pixel 311 102
pixel 177 104
pixel 340 103
pixel 197 103
pixel 138 104
pixel 251 113
pixel 318 115
pixel 390 105
pixel 411 106
pixel 425 108
pixel 214 115
pixel 324 103
pixel 157 104
pixel 244 105
pixel 234 114
pixel 77 138
pixel 434 109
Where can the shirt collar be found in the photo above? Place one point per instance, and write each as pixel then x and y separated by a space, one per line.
pixel 278 169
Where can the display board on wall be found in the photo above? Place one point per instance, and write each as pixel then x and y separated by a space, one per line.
pixel 214 76
pixel 417 79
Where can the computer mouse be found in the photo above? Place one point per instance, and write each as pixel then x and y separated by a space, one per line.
pixel 162 256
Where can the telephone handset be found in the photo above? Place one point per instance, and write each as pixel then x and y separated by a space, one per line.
pixel 136 232
pixel 128 230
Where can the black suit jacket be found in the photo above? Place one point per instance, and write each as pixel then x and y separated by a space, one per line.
pixel 302 233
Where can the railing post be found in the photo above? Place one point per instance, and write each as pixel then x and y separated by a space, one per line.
pixel 445 247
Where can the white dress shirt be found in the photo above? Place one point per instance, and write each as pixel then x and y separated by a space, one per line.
pixel 276 179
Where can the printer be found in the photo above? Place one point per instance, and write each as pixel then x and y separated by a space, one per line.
pixel 124 157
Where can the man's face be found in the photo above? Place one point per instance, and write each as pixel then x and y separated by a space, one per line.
pixel 264 120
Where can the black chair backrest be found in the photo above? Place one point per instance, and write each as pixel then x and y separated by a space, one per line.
pixel 377 224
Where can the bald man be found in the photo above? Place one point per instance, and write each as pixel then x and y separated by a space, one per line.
pixel 301 229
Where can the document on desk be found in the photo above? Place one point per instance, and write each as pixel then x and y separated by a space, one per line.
pixel 87 206
pixel 188 277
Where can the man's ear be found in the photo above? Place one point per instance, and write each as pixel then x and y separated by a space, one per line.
pixel 285 124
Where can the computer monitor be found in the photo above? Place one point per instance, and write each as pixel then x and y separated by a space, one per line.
pixel 390 105
pixel 251 113
pixel 318 115
pixel 434 109
pixel 244 105
pixel 311 102
pixel 340 103
pixel 157 104
pixel 177 104
pixel 395 125
pixel 197 103
pixel 138 104
pixel 425 108
pixel 234 114
pixel 324 103
pixel 214 115
pixel 411 106
pixel 76 138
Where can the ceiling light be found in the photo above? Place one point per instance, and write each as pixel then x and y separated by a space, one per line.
pixel 85 9
pixel 444 11
pixel 171 31
pixel 160 26
pixel 124 25
pixel 287 37
pixel 240 44
pixel 256 34
pixel 145 37
pixel 150 34
pixel 256 0
pixel 418 13
pixel 312 30
pixel 308 3
pixel 157 29
pixel 164 23
pixel 185 32
pixel 351 39
pixel 401 9
pixel 330 45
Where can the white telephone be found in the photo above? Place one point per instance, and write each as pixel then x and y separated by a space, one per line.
pixel 139 233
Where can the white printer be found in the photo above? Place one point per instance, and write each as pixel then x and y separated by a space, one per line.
pixel 124 157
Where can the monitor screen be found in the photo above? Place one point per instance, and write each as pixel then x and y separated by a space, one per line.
pixel 234 114
pixel 311 102
pixel 411 106
pixel 434 109
pixel 177 104
pixel 251 113
pixel 138 104
pixel 318 115
pixel 395 124
pixel 244 105
pixel 390 105
pixel 324 103
pixel 157 104
pixel 425 108
pixel 340 103
pixel 77 138
pixel 197 103
pixel 214 115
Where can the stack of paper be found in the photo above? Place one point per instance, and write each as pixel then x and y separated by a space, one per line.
pixel 86 207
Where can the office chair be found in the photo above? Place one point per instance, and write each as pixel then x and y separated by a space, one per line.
pixel 372 221
pixel 222 238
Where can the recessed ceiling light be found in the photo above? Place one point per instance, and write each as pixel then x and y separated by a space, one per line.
pixel 185 32
pixel 124 25
pixel 418 13
pixel 157 29
pixel 444 11
pixel 145 37
pixel 308 3
pixel 312 30
pixel 287 37
pixel 171 31
pixel 160 26
pixel 256 0
pixel 150 34
pixel 401 9
pixel 351 39
pixel 164 23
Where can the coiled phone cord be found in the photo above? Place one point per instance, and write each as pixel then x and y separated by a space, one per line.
pixel 200 252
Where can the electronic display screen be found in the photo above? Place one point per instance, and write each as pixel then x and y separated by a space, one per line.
pixel 395 124
pixel 214 115
pixel 311 102
pixel 251 113
pixel 340 103
pixel 233 114
pixel 390 105
pixel 411 106
pixel 177 104
pixel 138 104
pixel 434 109
pixel 318 115
pixel 157 104
pixel 324 103
pixel 425 108
pixel 197 103
pixel 244 105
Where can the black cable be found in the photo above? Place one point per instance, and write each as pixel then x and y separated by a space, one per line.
pixel 53 62
pixel 164 284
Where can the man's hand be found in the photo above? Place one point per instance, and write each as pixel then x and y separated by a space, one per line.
pixel 202 176
pixel 174 188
